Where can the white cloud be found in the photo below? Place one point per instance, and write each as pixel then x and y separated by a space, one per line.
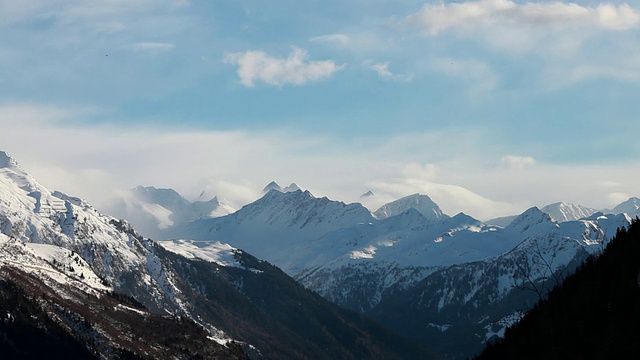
pixel 570 42
pixel 451 166
pixel 338 39
pixel 383 71
pixel 258 66
pixel 468 16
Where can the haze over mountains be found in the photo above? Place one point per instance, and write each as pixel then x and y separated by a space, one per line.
pixel 444 284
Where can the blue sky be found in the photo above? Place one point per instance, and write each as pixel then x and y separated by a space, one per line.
pixel 488 106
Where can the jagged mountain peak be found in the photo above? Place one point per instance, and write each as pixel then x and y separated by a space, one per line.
pixel 422 203
pixel 562 211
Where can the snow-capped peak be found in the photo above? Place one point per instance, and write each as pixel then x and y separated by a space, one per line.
pixel 528 219
pixel 10 168
pixel 562 212
pixel 429 209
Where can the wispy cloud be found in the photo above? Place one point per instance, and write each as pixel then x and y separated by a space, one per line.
pixel 382 69
pixel 337 39
pixel 154 47
pixel 296 69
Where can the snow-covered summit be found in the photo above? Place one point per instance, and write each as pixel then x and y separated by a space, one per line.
pixel 422 203
pixel 532 217
pixel 300 208
pixel 562 211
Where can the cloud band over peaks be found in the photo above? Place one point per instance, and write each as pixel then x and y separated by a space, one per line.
pixel 258 66
pixel 436 18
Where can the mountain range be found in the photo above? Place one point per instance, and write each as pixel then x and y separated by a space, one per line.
pixel 287 276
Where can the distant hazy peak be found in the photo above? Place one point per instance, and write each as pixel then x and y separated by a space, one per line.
pixel 292 187
pixel 272 186
pixel 429 209
pixel 367 194
pixel 275 186
pixel 631 206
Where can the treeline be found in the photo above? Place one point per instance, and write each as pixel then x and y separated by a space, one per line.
pixel 594 314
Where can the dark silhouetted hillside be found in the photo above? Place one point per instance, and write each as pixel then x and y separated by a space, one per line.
pixel 595 314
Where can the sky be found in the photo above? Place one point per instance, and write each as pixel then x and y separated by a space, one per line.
pixel 489 107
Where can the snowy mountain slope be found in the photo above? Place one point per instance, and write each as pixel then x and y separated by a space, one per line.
pixel 51 262
pixel 214 252
pixel 277 220
pixel 328 242
pixel 430 210
pixel 29 213
pixel 151 209
pixel 562 211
